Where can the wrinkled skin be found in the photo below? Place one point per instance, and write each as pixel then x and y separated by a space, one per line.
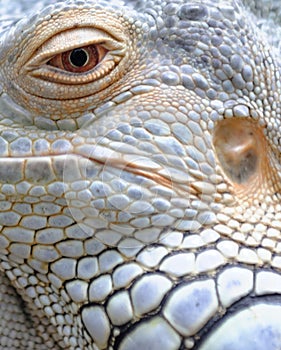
pixel 140 175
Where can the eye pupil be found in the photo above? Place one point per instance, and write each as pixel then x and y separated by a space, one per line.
pixel 78 58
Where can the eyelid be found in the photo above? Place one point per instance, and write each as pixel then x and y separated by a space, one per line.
pixel 72 39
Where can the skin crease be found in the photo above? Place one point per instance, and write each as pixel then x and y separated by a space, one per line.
pixel 140 175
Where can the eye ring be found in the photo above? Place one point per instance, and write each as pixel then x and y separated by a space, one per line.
pixel 78 57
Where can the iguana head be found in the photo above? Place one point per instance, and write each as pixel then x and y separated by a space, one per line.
pixel 140 137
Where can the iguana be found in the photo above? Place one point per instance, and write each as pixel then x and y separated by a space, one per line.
pixel 140 175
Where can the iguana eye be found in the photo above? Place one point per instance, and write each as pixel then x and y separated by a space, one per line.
pixel 72 65
pixel 89 53
pixel 79 60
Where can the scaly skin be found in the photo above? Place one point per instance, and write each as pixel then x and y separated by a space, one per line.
pixel 140 190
